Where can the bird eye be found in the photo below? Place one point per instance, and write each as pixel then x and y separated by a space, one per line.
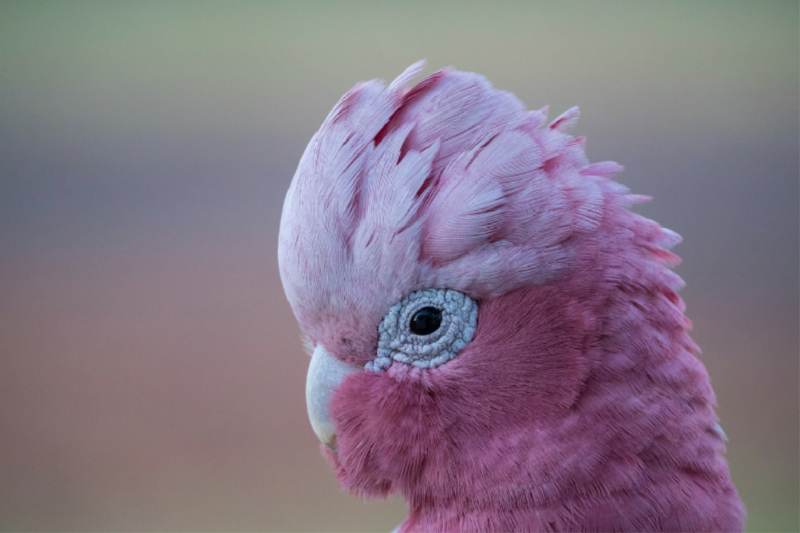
pixel 425 321
pixel 425 329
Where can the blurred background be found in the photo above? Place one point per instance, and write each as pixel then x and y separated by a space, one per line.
pixel 151 372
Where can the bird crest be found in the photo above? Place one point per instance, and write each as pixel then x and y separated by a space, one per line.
pixel 451 183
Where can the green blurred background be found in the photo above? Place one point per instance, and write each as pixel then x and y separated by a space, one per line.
pixel 151 374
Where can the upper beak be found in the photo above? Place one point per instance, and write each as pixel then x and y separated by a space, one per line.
pixel 325 373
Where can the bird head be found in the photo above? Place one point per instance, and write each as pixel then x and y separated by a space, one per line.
pixel 494 333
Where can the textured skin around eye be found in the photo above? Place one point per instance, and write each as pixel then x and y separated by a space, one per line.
pixel 398 343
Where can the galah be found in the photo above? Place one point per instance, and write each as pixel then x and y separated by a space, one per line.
pixel 494 334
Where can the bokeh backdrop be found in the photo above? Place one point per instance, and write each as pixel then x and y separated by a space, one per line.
pixel 151 372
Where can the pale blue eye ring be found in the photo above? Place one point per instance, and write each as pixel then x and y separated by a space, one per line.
pixel 396 341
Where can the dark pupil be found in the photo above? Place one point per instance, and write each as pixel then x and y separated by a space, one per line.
pixel 426 321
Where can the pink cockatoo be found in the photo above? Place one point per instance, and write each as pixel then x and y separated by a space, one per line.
pixel 495 335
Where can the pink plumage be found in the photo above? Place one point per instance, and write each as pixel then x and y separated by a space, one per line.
pixel 577 404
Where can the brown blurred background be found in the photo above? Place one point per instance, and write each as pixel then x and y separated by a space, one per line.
pixel 151 374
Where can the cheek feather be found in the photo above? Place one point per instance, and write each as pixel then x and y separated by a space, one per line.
pixel 530 352
pixel 523 369
pixel 390 425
